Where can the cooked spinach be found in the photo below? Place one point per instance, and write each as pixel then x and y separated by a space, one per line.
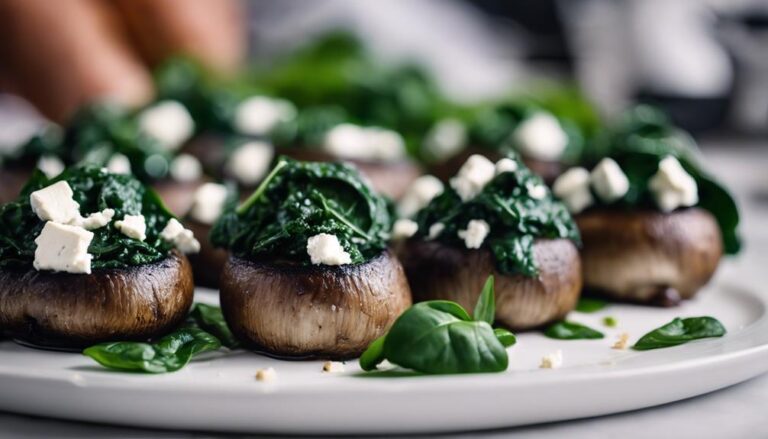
pixel 680 331
pixel 298 200
pixel 210 319
pixel 590 305
pixel 440 337
pixel 94 189
pixel 571 331
pixel 168 354
pixel 516 219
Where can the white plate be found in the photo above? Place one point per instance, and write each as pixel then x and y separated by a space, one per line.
pixel 220 393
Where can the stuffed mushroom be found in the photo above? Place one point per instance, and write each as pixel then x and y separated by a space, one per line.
pixel 309 273
pixel 91 256
pixel 493 218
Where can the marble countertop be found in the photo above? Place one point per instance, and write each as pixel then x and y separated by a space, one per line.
pixel 735 412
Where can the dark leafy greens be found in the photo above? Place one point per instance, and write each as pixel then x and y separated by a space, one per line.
pixel 516 219
pixel 440 337
pixel 298 200
pixel 210 319
pixel 94 189
pixel 572 331
pixel 680 331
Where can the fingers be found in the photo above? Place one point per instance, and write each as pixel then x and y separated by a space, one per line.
pixel 62 54
pixel 212 31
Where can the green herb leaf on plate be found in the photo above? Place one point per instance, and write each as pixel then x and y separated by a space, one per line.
pixel 572 331
pixel 485 310
pixel 610 322
pixel 590 305
pixel 680 331
pixel 374 355
pixel 210 319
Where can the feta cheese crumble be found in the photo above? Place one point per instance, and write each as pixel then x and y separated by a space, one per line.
pixel 404 228
pixel 168 122
pixel 62 247
pixel 537 191
pixel 446 138
pixel 418 195
pixel 672 187
pixel 250 162
pixel 133 226
pixel 119 164
pixel 475 233
pixel 327 250
pixel 572 188
pixel 354 142
pixel 622 341
pixel 474 174
pixel 208 203
pixel 552 361
pixel 96 220
pixel 55 203
pixel 186 168
pixel 266 375
pixel 541 137
pixel 181 238
pixel 333 367
pixel 259 115
pixel 609 181
pixel 50 165
pixel 506 165
pixel 435 230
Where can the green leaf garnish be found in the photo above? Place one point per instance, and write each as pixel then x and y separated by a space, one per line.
pixel 590 305
pixel 485 309
pixel 210 319
pixel 572 331
pixel 610 322
pixel 680 331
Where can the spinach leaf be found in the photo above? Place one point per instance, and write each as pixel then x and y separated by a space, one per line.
pixel 515 218
pixel 94 189
pixel 590 305
pixel 439 337
pixel 298 200
pixel 680 331
pixel 210 319
pixel 572 331
pixel 168 354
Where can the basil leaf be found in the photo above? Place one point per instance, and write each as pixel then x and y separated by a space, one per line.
pixel 505 337
pixel 168 354
pixel 485 309
pixel 373 355
pixel 590 305
pixel 680 331
pixel 571 331
pixel 210 319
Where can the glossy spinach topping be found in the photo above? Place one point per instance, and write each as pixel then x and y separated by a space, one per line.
pixel 516 218
pixel 298 200
pixel 94 189
pixel 638 142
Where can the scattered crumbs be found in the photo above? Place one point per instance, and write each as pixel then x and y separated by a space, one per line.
pixel 610 322
pixel 333 308
pixel 333 367
pixel 552 361
pixel 266 375
pixel 622 341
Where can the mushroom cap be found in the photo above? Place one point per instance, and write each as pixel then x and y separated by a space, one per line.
pixel 329 312
pixel 208 264
pixel 66 310
pixel 639 255
pixel 438 271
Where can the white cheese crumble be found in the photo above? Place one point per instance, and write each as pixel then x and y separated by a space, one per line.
pixel 186 168
pixel 50 165
pixel 609 181
pixel 404 228
pixel 250 162
pixel 418 195
pixel 168 122
pixel 506 165
pixel 552 361
pixel 672 187
pixel 572 188
pixel 119 164
pixel 259 115
pixel 266 375
pixel 62 247
pixel 540 137
pixel 446 138
pixel 55 203
pixel 537 191
pixel 327 250
pixel 133 226
pixel 96 220
pixel 208 202
pixel 333 367
pixel 435 230
pixel 364 143
pixel 474 174
pixel 181 238
pixel 475 233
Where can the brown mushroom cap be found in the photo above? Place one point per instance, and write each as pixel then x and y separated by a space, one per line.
pixel 12 180
pixel 208 264
pixel 639 255
pixel 77 310
pixel 547 170
pixel 438 271
pixel 313 311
